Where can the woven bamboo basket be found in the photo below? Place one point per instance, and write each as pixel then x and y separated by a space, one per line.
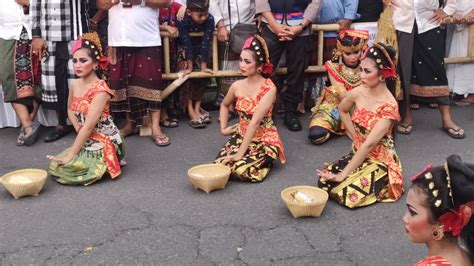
pixel 19 189
pixel 209 177
pixel 302 209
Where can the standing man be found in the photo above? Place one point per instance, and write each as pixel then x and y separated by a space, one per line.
pixel 56 25
pixel 19 75
pixel 286 26
pixel 241 11
pixel 135 63
pixel 340 12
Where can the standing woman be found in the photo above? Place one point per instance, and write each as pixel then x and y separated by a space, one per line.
pixel 98 147
pixel 372 171
pixel 254 143
pixel 440 205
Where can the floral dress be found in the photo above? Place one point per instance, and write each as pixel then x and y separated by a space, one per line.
pixel 325 113
pixel 101 152
pixel 379 177
pixel 266 144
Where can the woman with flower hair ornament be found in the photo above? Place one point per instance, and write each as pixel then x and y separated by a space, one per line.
pixel 372 171
pixel 254 143
pixel 98 147
pixel 440 205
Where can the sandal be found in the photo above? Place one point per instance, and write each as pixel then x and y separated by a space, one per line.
pixel 414 106
pixel 29 138
pixel 454 132
pixel 462 103
pixel 161 140
pixel 20 141
pixel 322 139
pixel 196 123
pixel 433 105
pixel 405 129
pixel 169 122
pixel 205 113
pixel 205 120
pixel 126 132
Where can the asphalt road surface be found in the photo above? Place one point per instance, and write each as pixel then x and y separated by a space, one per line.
pixel 152 215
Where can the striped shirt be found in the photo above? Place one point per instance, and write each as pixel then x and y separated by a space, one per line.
pixel 57 20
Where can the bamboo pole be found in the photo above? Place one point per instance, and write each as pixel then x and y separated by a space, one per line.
pixel 166 47
pixel 320 47
pixel 470 39
pixel 215 57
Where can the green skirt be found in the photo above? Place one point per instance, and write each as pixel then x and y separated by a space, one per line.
pixel 86 168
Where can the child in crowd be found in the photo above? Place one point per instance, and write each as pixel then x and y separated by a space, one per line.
pixel 168 18
pixel 98 147
pixel 194 55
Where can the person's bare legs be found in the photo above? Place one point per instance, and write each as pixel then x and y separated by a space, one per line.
pixel 129 128
pixel 447 120
pixel 34 113
pixel 159 137
pixel 192 111
pixel 406 126
pixel 23 114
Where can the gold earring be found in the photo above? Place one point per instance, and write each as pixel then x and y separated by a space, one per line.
pixel 438 233
pixel 95 67
pixel 259 70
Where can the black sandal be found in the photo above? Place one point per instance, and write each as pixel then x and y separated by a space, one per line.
pixel 454 132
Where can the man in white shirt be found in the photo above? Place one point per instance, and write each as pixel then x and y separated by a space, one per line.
pixel 17 70
pixel 422 42
pixel 241 11
pixel 135 62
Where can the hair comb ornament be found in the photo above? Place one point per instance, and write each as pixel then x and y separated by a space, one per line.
pixel 425 170
pixel 91 41
pixel 256 43
pixel 389 72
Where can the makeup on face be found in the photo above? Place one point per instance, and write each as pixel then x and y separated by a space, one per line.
pixel 416 218
pixel 82 62
pixel 369 73
pixel 248 65
pixel 351 59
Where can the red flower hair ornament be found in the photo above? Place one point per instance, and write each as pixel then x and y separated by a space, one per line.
pixel 454 221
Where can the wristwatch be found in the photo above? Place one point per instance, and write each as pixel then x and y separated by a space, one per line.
pixel 143 3
pixel 303 25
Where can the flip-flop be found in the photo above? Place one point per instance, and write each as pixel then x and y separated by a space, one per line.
pixel 454 135
pixel 405 129
pixel 161 141
pixel 433 105
pixel 414 106
pixel 169 123
pixel 462 103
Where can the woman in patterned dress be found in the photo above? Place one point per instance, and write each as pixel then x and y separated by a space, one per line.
pixel 344 75
pixel 440 205
pixel 371 172
pixel 254 143
pixel 98 147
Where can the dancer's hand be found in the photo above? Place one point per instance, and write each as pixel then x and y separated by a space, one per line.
pixel 230 130
pixel 231 159
pixel 325 176
pixel 61 161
